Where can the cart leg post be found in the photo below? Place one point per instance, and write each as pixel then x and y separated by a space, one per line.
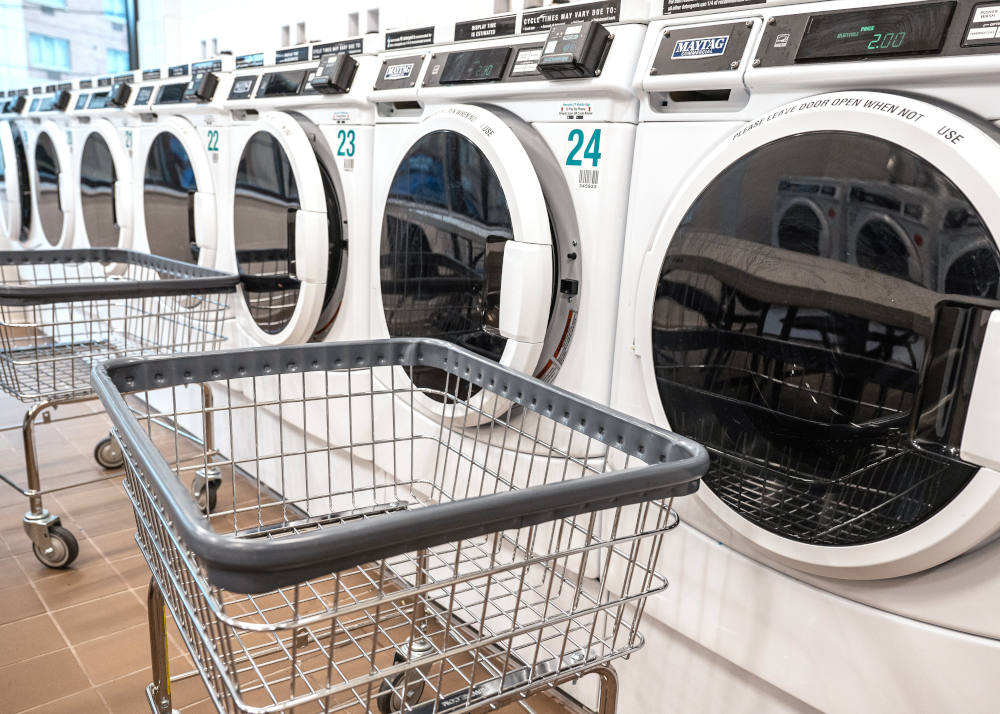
pixel 159 690
pixel 38 522
pixel 207 479
pixel 608 701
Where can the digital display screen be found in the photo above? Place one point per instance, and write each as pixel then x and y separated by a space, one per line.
pixel 171 93
pixel 144 94
pixel 475 66
pixel 242 87
pixel 98 100
pixel 886 31
pixel 81 101
pixel 280 84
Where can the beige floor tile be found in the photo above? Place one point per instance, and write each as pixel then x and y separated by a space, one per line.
pixel 27 638
pixel 75 586
pixel 85 702
pixel 134 569
pixel 19 601
pixel 116 655
pixel 117 545
pixel 43 679
pixel 101 617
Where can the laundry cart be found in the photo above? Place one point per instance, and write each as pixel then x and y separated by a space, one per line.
pixel 61 311
pixel 321 584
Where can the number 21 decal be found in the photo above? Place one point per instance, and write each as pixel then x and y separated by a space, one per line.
pixel 213 139
pixel 592 152
pixel 346 147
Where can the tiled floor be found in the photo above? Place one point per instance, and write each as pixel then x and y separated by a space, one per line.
pixel 76 640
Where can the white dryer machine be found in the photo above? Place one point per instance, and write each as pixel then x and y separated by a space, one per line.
pixel 840 367
pixel 15 186
pixel 102 163
pixel 178 149
pixel 498 215
pixel 46 135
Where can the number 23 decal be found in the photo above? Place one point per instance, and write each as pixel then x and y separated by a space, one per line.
pixel 346 147
pixel 592 152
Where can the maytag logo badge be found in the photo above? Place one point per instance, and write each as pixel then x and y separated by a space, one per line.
pixel 398 71
pixel 700 47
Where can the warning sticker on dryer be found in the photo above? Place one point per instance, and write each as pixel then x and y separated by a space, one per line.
pixel 984 26
pixel 576 110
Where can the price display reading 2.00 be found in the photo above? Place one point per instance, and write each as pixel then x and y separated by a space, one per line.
pixel 886 31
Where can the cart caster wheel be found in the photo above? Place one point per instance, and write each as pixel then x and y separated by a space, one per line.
pixel 62 550
pixel 390 701
pixel 108 455
pixel 206 495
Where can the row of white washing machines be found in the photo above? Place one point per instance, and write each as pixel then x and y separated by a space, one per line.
pixel 766 226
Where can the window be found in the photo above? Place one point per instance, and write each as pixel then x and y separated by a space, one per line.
pixel 532 3
pixel 353 26
pixel 215 46
pixel 501 5
pixel 300 33
pixel 114 10
pixel 204 49
pixel 48 52
pixel 372 20
pixel 52 3
pixel 286 35
pixel 117 60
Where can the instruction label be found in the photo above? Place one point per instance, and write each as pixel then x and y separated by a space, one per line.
pixel 984 27
pixel 673 7
pixel 402 39
pixel 486 27
pixel 295 54
pixel 349 47
pixel 543 20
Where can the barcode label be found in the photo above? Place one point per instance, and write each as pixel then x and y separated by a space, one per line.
pixel 589 178
pixel 348 164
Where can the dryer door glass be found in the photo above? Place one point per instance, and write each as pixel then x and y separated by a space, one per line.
pixel 24 182
pixel 50 212
pixel 445 215
pixel 5 205
pixel 168 194
pixel 97 192
pixel 801 331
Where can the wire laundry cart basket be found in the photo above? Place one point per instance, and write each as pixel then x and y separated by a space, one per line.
pixel 61 311
pixel 488 566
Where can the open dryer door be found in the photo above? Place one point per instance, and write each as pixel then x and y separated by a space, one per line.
pixel 178 196
pixel 288 231
pixel 53 180
pixel 104 178
pixel 468 253
pixel 15 191
pixel 840 376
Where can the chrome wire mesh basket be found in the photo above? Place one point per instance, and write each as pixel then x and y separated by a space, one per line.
pixel 63 310
pixel 487 565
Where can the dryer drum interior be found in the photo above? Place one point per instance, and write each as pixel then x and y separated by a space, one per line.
pixel 446 224
pixel 97 192
pixel 266 204
pixel 832 411
pixel 50 211
pixel 169 188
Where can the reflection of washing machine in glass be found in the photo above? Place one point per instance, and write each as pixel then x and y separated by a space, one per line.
pixel 809 216
pixel 102 130
pixel 177 156
pixel 498 207
pixel 15 184
pixel 845 399
pixel 50 168
pixel 295 214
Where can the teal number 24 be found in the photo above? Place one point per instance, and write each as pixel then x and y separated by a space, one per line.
pixel 592 152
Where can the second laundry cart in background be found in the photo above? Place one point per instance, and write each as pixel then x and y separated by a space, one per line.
pixel 834 352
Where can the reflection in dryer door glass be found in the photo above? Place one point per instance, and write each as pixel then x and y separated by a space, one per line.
pixel 5 206
pixel 806 292
pixel 266 202
pixel 168 193
pixel 50 211
pixel 21 157
pixel 97 193
pixel 445 206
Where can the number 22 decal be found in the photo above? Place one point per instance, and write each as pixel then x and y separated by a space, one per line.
pixel 213 140
pixel 346 147
pixel 592 152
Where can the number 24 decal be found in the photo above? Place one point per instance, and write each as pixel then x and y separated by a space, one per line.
pixel 592 152
pixel 346 147
pixel 213 140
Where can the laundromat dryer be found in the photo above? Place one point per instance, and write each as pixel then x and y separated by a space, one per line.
pixel 811 289
pixel 15 186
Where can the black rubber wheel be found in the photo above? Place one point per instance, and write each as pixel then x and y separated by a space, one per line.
pixel 389 701
pixel 63 549
pixel 108 455
pixel 206 495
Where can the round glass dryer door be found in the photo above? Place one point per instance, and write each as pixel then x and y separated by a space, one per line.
pixel 807 318
pixel 97 193
pixel 10 184
pixel 50 209
pixel 267 209
pixel 169 188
